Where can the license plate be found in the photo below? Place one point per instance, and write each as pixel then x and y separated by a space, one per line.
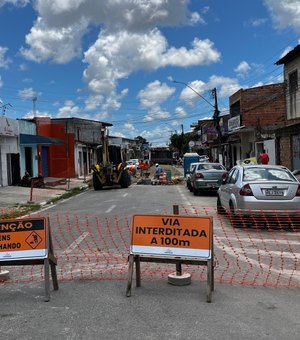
pixel 272 192
pixel 210 185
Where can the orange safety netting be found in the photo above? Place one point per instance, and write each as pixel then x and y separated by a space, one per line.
pixel 254 250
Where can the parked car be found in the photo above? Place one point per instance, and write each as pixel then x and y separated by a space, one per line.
pixel 188 175
pixel 256 189
pixel 207 177
pixel 203 158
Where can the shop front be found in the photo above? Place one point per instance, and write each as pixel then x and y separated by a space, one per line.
pixel 9 152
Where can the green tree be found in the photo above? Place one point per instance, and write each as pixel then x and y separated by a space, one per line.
pixel 180 142
pixel 141 140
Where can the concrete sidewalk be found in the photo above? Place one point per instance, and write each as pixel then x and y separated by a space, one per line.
pixel 11 196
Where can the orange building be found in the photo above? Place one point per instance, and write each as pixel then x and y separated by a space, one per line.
pixel 78 149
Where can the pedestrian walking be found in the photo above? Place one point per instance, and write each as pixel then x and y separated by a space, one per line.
pixel 264 157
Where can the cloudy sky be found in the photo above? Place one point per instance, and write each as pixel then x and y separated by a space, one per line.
pixel 116 60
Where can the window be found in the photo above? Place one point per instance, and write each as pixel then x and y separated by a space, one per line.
pixel 293 81
pixel 233 178
pixel 293 87
pixel 208 166
pixel 267 174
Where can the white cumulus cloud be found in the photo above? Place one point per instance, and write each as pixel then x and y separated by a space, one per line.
pixel 243 68
pixel 180 112
pixel 58 44
pixel 70 110
pixel 4 62
pixel 28 93
pixel 154 94
pixel 285 13
pixel 129 40
pixel 20 3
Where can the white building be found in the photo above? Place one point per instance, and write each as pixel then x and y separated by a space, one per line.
pixel 9 152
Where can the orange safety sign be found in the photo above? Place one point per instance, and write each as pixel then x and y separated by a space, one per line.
pixel 172 235
pixel 24 238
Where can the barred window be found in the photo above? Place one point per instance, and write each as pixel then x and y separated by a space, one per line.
pixel 293 81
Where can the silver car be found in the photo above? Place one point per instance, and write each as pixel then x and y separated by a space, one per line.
pixel 207 177
pixel 188 175
pixel 259 190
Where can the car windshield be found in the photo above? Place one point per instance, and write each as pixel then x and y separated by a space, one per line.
pixel 210 166
pixel 267 174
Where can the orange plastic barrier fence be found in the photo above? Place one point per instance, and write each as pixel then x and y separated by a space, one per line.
pixel 255 250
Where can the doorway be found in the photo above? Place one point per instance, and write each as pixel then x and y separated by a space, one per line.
pixel 28 160
pixel 45 161
pixel 13 168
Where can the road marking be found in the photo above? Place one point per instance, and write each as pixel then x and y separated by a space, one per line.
pixel 183 196
pixel 110 209
pixel 76 243
pixel 125 194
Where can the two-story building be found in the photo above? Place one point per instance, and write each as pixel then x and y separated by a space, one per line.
pixel 289 135
pixel 255 115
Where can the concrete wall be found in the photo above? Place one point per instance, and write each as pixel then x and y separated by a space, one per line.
pixel 285 151
pixel 261 106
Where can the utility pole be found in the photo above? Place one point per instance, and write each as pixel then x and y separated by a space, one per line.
pixel 34 99
pixel 4 107
pixel 181 144
pixel 216 117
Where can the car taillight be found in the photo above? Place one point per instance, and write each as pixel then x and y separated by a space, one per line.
pixel 199 175
pixel 298 191
pixel 246 190
pixel 224 175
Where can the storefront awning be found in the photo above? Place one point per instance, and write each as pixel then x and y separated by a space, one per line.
pixel 39 140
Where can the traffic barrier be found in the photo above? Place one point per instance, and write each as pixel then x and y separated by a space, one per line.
pixel 258 250
pixel 172 239
pixel 163 178
pixel 28 242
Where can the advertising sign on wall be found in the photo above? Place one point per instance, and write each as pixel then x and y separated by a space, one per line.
pixel 8 127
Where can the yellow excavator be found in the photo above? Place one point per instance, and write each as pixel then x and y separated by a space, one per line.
pixel 108 174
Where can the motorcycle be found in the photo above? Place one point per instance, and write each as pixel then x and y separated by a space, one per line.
pixel 27 181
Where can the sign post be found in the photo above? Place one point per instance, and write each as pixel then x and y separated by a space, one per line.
pixel 29 242
pixel 171 239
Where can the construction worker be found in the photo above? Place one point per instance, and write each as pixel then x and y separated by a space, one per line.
pixel 158 170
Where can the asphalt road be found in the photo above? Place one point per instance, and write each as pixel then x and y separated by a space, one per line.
pixel 95 307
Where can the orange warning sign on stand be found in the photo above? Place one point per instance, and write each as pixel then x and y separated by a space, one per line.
pixel 23 239
pixel 172 235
